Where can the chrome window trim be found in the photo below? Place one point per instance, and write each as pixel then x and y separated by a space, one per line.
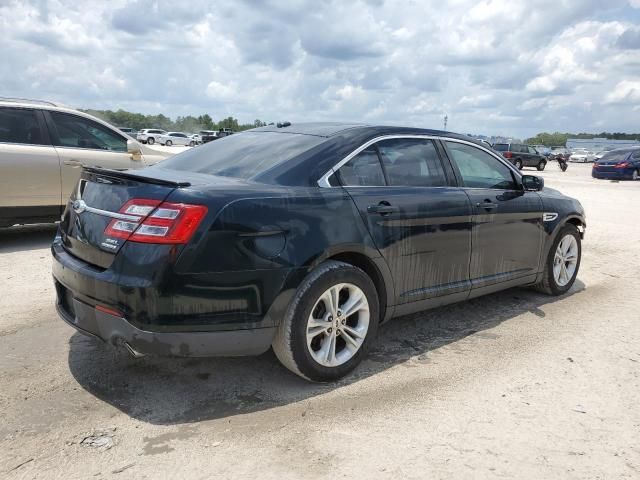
pixel 323 182
pixel 27 144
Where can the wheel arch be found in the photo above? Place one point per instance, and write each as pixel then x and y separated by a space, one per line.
pixel 373 265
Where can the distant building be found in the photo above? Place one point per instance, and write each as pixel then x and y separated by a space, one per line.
pixel 599 144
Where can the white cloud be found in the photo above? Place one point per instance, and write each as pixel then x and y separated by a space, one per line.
pixel 504 67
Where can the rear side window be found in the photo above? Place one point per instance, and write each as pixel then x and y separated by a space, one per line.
pixel 411 162
pixel 19 125
pixel 244 155
pixel 636 155
pixel 616 156
pixel 363 170
pixel 78 132
pixel 501 147
pixel 479 169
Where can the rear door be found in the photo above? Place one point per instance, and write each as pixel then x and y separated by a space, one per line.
pixel 419 221
pixel 507 221
pixel 81 142
pixel 29 165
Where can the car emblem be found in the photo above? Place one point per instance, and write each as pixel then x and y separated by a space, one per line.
pixel 79 206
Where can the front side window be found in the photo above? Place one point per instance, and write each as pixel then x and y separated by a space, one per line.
pixel 363 170
pixel 479 169
pixel 411 162
pixel 79 132
pixel 19 125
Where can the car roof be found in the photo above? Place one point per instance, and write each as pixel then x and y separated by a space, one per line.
pixel 329 129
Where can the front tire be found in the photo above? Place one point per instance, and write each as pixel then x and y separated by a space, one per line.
pixel 518 164
pixel 330 323
pixel 635 175
pixel 192 143
pixel 168 143
pixel 151 140
pixel 562 263
pixel 541 165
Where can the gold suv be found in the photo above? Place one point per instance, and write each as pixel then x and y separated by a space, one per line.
pixel 43 146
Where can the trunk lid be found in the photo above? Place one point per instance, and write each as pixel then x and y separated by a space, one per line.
pixel 98 198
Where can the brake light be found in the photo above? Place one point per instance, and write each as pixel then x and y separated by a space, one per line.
pixel 507 154
pixel 157 222
pixel 622 165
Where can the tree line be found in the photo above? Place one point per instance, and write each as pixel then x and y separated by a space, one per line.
pixel 560 139
pixel 189 123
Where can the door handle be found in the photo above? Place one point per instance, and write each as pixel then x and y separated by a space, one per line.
pixel 383 208
pixel 487 205
pixel 73 163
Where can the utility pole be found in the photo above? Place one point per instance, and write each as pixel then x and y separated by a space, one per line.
pixel 446 117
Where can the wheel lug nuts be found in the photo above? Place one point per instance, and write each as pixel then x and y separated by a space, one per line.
pixel 344 321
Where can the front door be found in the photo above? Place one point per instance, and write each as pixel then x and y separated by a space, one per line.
pixel 419 222
pixel 80 142
pixel 507 221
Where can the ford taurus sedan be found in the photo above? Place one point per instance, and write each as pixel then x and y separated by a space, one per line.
pixel 304 238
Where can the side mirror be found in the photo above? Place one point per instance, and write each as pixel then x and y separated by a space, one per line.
pixel 531 183
pixel 134 149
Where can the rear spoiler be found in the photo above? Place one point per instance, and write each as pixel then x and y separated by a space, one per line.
pixel 135 175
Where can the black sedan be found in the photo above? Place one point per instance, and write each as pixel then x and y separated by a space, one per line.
pixel 304 238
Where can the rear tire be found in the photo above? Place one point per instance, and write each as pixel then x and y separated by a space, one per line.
pixel 556 279
pixel 518 164
pixel 151 140
pixel 635 175
pixel 297 345
pixel 541 165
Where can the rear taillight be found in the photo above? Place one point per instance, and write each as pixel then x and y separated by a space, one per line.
pixel 156 222
pixel 622 165
pixel 507 154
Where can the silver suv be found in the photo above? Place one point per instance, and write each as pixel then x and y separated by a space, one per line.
pixel 43 146
pixel 150 135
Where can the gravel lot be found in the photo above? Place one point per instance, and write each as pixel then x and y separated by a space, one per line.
pixel 515 384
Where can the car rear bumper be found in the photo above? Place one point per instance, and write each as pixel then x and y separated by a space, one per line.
pixel 620 174
pixel 116 330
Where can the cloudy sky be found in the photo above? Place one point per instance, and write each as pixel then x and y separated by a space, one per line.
pixel 513 67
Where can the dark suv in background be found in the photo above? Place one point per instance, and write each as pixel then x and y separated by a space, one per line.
pixel 521 155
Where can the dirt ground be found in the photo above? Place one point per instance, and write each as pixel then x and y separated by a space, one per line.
pixel 515 385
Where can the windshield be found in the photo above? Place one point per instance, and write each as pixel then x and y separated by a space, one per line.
pixel 244 155
pixel 615 156
pixel 501 147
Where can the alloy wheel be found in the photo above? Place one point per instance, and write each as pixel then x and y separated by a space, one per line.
pixel 338 325
pixel 565 261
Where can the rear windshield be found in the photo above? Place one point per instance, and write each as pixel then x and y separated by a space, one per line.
pixel 615 156
pixel 244 155
pixel 501 147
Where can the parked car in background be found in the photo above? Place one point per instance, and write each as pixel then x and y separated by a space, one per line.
pixel 559 152
pixel 582 155
pixel 542 150
pixel 599 155
pixel 43 147
pixel 176 138
pixel 620 164
pixel 521 155
pixel 207 136
pixel 150 135
pixel 196 138
pixel 129 131
pixel 304 238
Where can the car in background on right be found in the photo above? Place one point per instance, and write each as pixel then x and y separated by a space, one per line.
pixel 620 164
